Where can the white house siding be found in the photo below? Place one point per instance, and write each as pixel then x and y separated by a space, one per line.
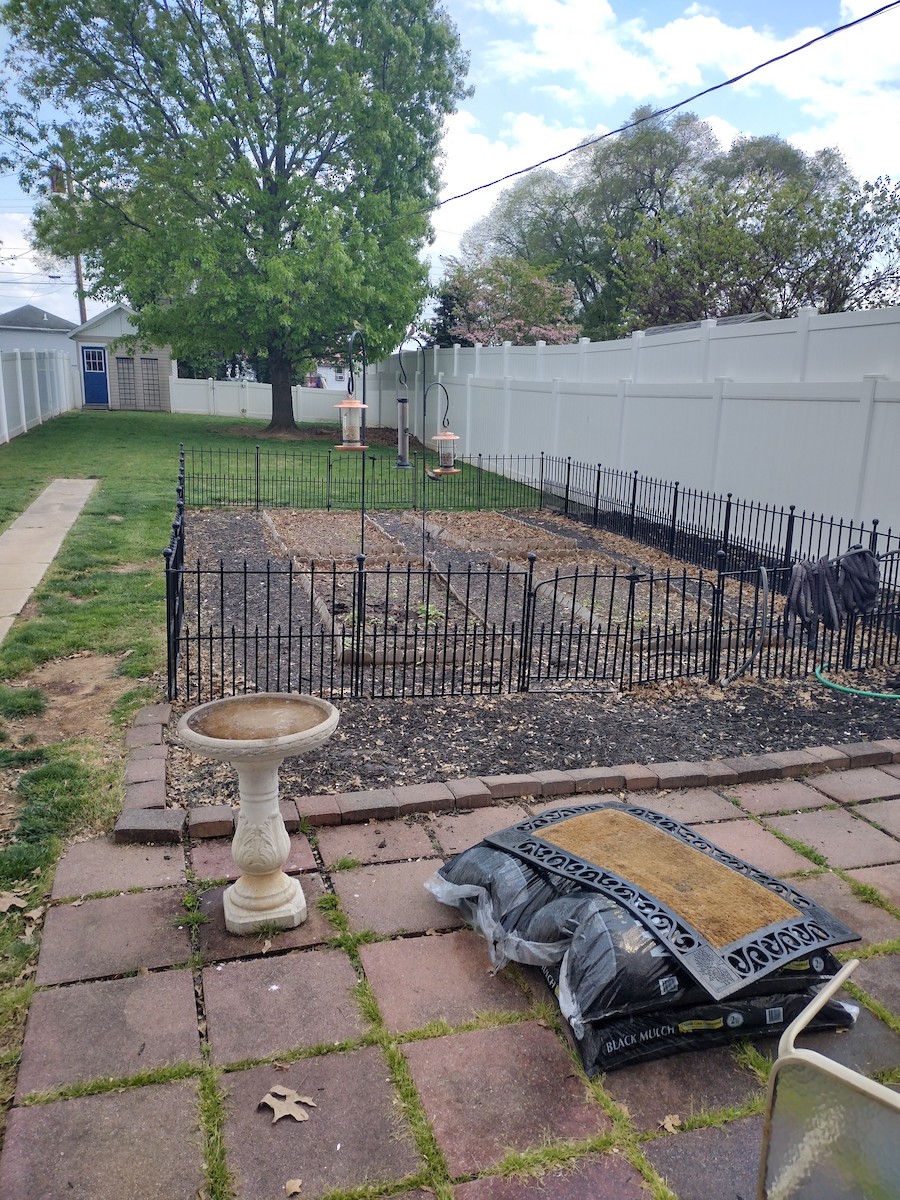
pixel 35 339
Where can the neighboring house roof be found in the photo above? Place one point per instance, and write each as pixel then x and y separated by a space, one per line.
pixel 740 319
pixel 30 317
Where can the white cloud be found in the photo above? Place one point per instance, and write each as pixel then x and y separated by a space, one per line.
pixel 474 158
pixel 580 53
pixel 689 51
pixel 725 132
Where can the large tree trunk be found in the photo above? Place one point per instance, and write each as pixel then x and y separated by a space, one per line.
pixel 282 406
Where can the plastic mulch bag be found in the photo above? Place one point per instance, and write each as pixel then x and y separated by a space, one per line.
pixel 637 1037
pixel 624 997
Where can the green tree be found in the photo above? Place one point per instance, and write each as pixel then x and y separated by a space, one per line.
pixel 252 177
pixel 660 225
pixel 766 246
pixel 572 222
pixel 506 300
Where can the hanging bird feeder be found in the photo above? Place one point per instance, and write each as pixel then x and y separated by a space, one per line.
pixel 353 422
pixel 446 448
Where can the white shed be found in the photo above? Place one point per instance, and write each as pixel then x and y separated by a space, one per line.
pixel 114 378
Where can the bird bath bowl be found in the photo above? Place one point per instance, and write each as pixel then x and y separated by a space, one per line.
pixel 256 733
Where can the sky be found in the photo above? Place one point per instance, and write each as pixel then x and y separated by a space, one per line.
pixel 548 73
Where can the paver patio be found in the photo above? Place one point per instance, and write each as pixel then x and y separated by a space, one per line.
pixel 435 1064
pixel 354 1135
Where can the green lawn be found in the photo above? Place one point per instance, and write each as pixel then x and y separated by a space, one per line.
pixel 106 590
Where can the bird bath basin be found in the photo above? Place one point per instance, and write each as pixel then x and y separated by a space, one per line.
pixel 256 733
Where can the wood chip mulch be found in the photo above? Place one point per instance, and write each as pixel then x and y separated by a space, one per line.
pixel 382 743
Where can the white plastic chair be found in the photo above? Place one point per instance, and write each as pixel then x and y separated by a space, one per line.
pixel 830 1133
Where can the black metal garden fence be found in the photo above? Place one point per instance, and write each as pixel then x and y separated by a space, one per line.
pixel 690 525
pixel 430 631
pixel 390 633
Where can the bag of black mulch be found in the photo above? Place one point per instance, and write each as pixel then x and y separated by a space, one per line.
pixel 625 993
pixel 637 1037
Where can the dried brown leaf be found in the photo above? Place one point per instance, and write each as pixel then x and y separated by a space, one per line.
pixel 292 1187
pixel 285 1102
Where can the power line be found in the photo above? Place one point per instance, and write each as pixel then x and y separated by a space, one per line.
pixel 53 284
pixel 663 112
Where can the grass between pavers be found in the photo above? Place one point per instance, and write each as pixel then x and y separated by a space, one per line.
pixel 211 1112
pixel 868 894
pixel 98 1087
pixel 75 789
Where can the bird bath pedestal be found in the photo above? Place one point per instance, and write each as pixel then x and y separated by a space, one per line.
pixel 255 733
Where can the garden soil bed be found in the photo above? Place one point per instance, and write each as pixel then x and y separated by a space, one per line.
pixel 388 742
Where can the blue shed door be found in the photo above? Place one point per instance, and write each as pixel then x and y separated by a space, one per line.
pixel 93 366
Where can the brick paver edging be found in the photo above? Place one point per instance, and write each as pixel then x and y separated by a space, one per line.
pixel 146 817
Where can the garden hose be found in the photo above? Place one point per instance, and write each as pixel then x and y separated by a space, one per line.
pixel 839 687
pixel 761 633
pixel 831 589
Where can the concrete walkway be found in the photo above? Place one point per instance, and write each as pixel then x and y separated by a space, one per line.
pixel 29 545
pixel 430 1076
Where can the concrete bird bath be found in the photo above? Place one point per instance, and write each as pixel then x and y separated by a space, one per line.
pixel 256 733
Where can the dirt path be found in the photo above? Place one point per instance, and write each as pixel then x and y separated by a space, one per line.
pixel 81 691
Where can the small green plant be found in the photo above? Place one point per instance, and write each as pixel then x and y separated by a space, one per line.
pixel 346 863
pixel 429 614
pixel 267 930
pixel 193 916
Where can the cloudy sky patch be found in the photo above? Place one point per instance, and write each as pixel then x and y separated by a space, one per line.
pixel 549 74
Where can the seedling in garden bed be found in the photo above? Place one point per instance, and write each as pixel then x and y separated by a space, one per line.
pixel 429 614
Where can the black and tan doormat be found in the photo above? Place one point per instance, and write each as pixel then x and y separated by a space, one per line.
pixel 726 922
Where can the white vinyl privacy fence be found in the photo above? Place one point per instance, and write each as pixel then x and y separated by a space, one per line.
pixel 238 398
pixel 803 411
pixel 35 386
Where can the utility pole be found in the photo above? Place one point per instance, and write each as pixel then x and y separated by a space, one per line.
pixel 79 277
pixel 70 192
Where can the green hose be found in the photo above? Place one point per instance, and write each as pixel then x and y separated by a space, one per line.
pixel 855 691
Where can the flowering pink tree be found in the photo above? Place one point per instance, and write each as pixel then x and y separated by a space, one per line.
pixel 506 300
